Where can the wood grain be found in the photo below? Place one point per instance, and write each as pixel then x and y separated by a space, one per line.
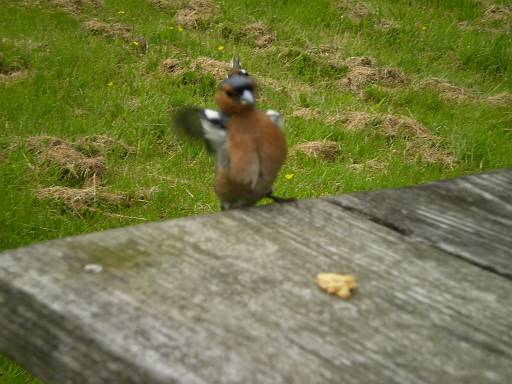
pixel 470 217
pixel 232 298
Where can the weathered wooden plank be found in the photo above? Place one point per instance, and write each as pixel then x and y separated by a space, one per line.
pixel 470 217
pixel 231 298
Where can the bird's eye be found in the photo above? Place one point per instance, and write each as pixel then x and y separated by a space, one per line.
pixel 230 93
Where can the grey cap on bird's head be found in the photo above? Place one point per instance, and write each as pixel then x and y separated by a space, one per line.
pixel 241 87
pixel 238 83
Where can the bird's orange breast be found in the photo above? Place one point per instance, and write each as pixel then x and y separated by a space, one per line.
pixel 257 149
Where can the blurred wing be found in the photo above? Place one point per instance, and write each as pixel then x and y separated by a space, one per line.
pixel 214 129
pixel 276 118
pixel 205 124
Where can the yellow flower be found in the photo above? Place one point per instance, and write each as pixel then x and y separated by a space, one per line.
pixel 424 28
pixel 136 43
pixel 220 47
pixel 289 176
pixel 120 12
pixel 180 29
pixel 110 84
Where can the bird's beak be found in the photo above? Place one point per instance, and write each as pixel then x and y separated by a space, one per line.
pixel 247 98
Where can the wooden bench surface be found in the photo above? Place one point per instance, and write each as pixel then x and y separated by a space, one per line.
pixel 231 297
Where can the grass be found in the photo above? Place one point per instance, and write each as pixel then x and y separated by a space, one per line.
pixel 58 78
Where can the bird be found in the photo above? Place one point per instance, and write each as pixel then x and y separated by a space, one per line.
pixel 250 145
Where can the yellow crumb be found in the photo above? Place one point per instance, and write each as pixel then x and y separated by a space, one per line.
pixel 333 283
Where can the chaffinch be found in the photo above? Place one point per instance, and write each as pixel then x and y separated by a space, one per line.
pixel 250 145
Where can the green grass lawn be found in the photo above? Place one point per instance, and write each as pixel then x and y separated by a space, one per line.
pixel 427 97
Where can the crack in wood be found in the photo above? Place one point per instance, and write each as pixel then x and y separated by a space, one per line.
pixel 410 234
pixel 388 224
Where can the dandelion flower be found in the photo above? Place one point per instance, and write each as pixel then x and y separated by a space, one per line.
pixel 110 84
pixel 136 43
pixel 220 47
pixel 289 176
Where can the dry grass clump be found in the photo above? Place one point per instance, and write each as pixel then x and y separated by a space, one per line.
pixel 363 71
pixel 83 199
pixel 449 91
pixel 81 160
pixel 13 76
pixel 217 69
pixel 171 67
pixel 307 113
pixel 372 165
pixel 386 24
pixel 429 152
pixel 495 19
pixel 387 125
pixel 420 142
pixel 259 34
pixel 91 196
pixel 360 61
pixel 11 71
pixel 354 121
pixel 197 13
pixel 330 51
pixel 146 194
pixel 503 99
pixel 72 8
pixel 101 145
pixel 323 149
pixel 284 86
pixel 355 10
pixel 498 13
pixel 110 30
pixel 133 103
pixel 166 4
pixel 56 152
pixel 38 143
pixel 26 44
pixel 85 160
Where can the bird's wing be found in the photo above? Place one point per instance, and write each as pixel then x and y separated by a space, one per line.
pixel 205 124
pixel 214 128
pixel 276 118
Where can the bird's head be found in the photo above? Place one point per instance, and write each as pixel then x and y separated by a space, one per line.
pixel 236 94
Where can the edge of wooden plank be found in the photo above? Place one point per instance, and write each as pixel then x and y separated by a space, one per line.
pixel 462 234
